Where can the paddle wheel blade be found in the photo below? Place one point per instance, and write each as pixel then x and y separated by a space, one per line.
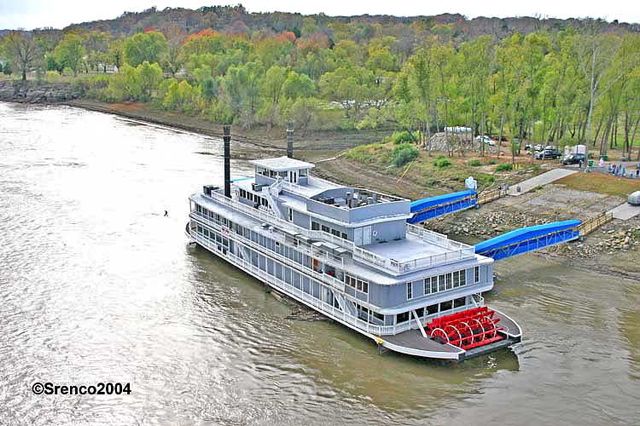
pixel 466 329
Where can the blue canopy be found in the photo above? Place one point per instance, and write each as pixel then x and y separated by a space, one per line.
pixel 425 203
pixel 523 234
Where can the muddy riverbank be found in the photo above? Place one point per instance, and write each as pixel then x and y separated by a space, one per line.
pixel 614 247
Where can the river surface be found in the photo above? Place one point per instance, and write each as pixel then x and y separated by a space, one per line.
pixel 97 285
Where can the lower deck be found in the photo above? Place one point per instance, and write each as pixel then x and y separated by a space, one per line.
pixel 412 342
pixel 406 340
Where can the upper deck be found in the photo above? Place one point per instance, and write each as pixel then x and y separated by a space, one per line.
pixel 420 249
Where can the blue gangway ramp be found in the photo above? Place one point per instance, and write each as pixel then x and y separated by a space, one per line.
pixel 428 208
pixel 528 239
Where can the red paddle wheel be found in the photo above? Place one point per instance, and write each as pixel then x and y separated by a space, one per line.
pixel 466 329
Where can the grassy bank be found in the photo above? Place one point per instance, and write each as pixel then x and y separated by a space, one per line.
pixel 601 183
pixel 431 174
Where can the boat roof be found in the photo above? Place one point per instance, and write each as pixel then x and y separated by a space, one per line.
pixel 282 164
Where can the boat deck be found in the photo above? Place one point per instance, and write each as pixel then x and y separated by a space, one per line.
pixel 412 342
pixel 405 250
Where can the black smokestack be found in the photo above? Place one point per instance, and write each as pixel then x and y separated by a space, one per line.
pixel 227 160
pixel 290 141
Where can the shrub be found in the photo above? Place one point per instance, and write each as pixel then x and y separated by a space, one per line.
pixel 403 137
pixel 403 154
pixel 475 163
pixel 442 162
pixel 504 167
pixel 485 179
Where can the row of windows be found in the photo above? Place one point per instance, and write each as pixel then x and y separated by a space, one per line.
pixel 444 282
pixel 356 283
pixel 253 197
pixel 432 309
pixel 315 226
pixel 213 216
pixel 364 313
pixel 213 236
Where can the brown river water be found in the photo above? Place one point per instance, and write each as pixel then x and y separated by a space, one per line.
pixel 96 285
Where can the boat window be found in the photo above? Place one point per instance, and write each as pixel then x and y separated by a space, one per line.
pixel 432 309
pixel 378 315
pixel 420 312
pixel 449 284
pixel 325 228
pixel 403 317
pixel 356 283
pixel 476 274
pixel 445 306
pixel 290 215
pixel 409 291
pixel 335 232
pixel 457 303
pixel 315 226
pixel 344 236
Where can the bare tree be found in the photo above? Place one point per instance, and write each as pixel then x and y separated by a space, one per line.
pixel 22 47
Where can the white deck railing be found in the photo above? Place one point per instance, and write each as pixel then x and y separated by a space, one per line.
pixel 455 251
pixel 328 279
pixel 309 300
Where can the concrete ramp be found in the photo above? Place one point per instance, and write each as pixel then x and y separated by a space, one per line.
pixel 540 180
pixel 625 211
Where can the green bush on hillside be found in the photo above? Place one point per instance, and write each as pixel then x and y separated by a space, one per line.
pixel 504 167
pixel 441 162
pixel 403 137
pixel 403 154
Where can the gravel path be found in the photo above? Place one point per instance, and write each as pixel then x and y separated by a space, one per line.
pixel 540 180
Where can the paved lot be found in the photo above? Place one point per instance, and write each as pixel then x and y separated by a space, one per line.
pixel 625 211
pixel 540 180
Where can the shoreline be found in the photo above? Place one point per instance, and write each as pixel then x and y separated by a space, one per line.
pixel 338 170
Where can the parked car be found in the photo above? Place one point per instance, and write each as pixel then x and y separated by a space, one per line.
pixel 485 139
pixel 575 158
pixel 634 198
pixel 548 153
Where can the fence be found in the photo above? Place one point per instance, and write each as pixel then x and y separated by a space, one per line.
pixel 590 225
pixel 491 195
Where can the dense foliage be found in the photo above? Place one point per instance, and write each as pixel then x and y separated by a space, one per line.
pixel 573 84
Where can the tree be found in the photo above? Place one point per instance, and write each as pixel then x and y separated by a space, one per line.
pixel 97 45
pixel 22 50
pixel 150 46
pixel 298 86
pixel 70 52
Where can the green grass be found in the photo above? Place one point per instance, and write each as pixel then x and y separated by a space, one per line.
pixel 423 171
pixel 601 183
pixel 504 167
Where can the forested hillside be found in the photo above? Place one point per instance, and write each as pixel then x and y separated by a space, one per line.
pixel 543 80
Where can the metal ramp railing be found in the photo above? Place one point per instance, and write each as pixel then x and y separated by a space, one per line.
pixel 531 238
pixel 440 205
